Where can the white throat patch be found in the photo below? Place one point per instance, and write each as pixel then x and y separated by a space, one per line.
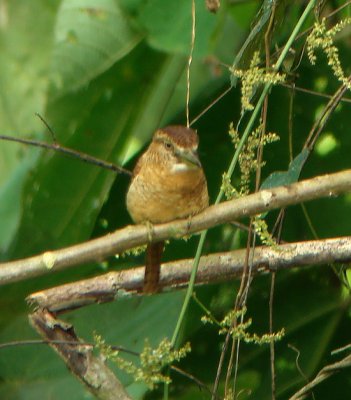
pixel 181 167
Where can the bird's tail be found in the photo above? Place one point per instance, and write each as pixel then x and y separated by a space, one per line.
pixel 152 267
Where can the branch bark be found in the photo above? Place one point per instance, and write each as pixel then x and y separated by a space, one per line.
pixel 89 369
pixel 132 236
pixel 175 275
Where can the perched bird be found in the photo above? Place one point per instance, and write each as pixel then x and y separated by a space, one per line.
pixel 168 183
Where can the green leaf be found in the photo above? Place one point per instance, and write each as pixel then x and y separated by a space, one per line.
pixel 90 36
pixel 288 177
pixel 25 46
pixel 168 26
pixel 255 39
pixel 10 204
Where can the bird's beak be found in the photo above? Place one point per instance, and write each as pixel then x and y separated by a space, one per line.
pixel 189 157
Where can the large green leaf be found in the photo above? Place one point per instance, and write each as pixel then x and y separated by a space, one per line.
pixel 90 36
pixel 168 26
pixel 25 45
pixel 24 69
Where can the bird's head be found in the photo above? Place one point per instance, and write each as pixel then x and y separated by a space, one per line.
pixel 177 145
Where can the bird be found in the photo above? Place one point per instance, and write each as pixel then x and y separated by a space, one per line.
pixel 168 183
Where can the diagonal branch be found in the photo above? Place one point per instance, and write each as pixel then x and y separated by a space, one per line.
pixel 175 275
pixel 322 375
pixel 132 236
pixel 90 369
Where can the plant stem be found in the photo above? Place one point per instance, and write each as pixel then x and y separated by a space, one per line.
pixel 233 163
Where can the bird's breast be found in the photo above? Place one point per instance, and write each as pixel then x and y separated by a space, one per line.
pixel 157 195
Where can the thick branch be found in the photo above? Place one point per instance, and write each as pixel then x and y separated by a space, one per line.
pixel 175 275
pixel 132 236
pixel 89 369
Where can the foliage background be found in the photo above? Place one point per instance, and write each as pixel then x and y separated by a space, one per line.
pixel 105 74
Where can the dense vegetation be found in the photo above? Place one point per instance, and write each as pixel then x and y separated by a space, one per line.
pixel 105 74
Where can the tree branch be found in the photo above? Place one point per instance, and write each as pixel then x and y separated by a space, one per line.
pixel 322 375
pixel 89 369
pixel 175 275
pixel 132 236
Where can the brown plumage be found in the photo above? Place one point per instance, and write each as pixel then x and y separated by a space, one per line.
pixel 153 258
pixel 168 183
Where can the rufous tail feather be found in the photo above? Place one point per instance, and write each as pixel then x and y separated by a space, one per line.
pixel 152 267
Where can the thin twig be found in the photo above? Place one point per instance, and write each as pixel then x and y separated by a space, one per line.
pixel 17 343
pixel 34 342
pixel 338 9
pixel 190 59
pixel 341 349
pixel 48 127
pixel 213 102
pixel 312 92
pixel 191 377
pixel 322 375
pixel 68 152
pixel 297 363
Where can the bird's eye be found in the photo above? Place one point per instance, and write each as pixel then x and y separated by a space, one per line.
pixel 168 145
